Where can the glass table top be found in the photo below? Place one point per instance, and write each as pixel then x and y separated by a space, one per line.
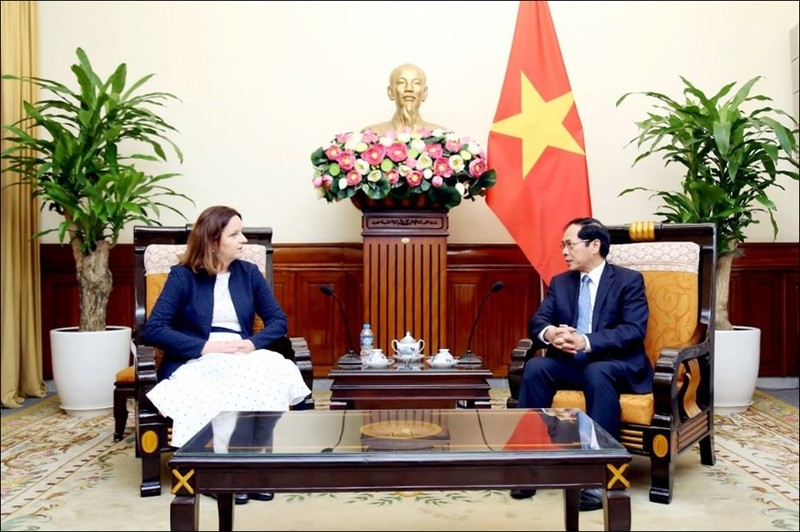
pixel 482 431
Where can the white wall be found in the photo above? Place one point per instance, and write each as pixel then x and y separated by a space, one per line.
pixel 264 83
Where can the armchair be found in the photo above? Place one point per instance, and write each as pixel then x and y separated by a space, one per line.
pixel 678 262
pixel 155 250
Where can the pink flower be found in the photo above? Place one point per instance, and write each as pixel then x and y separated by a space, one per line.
pixel 369 136
pixel 397 152
pixel 453 145
pixel 346 160
pixel 392 175
pixel 434 150
pixel 441 166
pixel 437 181
pixel 414 178
pixel 333 152
pixel 374 154
pixel 353 178
pixel 477 167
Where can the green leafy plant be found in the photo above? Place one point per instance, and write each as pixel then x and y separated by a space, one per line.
pixel 80 169
pixel 732 158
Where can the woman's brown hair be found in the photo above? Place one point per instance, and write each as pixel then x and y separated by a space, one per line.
pixel 206 232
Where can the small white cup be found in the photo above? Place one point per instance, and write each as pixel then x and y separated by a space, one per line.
pixel 377 357
pixel 443 357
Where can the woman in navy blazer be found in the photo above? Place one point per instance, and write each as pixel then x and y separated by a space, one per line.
pixel 607 359
pixel 203 320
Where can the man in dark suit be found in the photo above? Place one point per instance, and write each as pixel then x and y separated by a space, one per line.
pixel 603 354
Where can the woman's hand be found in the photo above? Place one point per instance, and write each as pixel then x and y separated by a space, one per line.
pixel 230 346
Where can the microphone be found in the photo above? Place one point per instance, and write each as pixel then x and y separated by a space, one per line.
pixel 350 357
pixel 469 358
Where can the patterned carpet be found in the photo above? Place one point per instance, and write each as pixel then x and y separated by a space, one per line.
pixel 66 473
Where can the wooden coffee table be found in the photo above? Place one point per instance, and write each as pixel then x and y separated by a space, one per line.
pixel 419 387
pixel 400 450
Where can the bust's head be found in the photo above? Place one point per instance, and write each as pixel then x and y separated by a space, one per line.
pixel 407 88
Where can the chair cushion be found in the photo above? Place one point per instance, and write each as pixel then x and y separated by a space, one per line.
pixel 126 376
pixel 636 408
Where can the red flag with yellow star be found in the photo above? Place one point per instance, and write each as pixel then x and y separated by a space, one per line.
pixel 536 145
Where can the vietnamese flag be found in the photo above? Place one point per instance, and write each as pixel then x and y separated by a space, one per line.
pixel 536 145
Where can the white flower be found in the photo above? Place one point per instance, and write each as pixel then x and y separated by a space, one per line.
pixel 374 176
pixel 474 148
pixel 418 145
pixel 424 161
pixel 362 166
pixel 456 162
pixel 353 141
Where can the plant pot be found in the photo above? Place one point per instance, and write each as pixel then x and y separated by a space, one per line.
pixel 85 365
pixel 737 355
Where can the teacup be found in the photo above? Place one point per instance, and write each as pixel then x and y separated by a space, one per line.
pixel 377 357
pixel 443 357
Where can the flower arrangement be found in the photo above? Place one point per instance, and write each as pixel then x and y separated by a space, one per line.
pixel 436 166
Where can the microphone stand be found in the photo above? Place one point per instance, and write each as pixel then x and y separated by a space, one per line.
pixel 469 358
pixel 350 358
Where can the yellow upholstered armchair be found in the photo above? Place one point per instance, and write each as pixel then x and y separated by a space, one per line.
pixel 678 262
pixel 155 250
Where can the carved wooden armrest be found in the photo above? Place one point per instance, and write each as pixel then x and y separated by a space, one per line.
pixel 681 384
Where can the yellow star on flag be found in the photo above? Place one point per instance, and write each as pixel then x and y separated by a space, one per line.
pixel 539 124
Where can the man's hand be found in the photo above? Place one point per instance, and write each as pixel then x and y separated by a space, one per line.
pixel 567 339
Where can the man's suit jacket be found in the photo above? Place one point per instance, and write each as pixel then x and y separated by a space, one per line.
pixel 180 322
pixel 619 320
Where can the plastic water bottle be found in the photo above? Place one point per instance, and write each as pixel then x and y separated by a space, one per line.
pixel 367 340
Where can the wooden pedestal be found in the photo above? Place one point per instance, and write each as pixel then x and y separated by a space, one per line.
pixel 405 276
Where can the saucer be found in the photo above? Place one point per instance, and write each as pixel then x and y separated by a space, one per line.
pixel 410 358
pixel 435 364
pixel 389 362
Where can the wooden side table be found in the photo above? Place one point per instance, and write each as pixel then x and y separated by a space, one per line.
pixel 397 388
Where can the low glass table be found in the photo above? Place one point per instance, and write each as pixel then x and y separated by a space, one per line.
pixel 399 450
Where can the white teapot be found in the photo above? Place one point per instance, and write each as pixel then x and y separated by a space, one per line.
pixel 443 357
pixel 377 358
pixel 408 346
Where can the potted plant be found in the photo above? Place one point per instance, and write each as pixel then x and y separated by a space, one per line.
pixel 84 170
pixel 732 157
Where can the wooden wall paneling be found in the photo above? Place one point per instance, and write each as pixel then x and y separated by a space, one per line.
pixel 315 316
pixel 791 332
pixel 764 293
pixel 763 286
pixel 60 305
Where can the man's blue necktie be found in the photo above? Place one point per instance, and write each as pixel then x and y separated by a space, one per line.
pixel 584 313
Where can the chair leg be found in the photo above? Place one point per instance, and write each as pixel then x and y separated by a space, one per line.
pixel 662 472
pixel 151 436
pixel 707 456
pixel 121 395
